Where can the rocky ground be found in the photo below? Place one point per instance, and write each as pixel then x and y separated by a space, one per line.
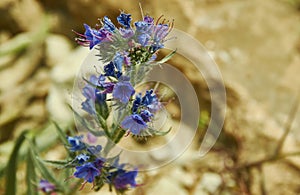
pixel 255 44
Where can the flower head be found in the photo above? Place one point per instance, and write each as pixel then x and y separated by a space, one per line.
pixel 87 171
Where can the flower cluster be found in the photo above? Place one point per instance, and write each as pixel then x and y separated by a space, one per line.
pixel 129 53
pixel 92 168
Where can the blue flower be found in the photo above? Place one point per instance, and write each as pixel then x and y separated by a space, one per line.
pixel 134 123
pixel 81 158
pixel 124 20
pixel 87 171
pixel 46 186
pixel 123 91
pixel 108 25
pixel 124 180
pixel 76 143
pixel 142 27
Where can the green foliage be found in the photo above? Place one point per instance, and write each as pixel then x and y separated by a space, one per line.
pixel 11 169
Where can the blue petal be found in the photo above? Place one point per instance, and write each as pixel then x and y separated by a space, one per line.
pixel 123 91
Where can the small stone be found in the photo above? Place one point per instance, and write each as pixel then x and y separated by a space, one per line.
pixel 57 48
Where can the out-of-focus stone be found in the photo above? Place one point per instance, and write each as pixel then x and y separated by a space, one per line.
pixel 209 183
pixel 28 14
pixel 67 68
pixel 21 70
pixel 57 104
pixel 166 185
pixel 58 48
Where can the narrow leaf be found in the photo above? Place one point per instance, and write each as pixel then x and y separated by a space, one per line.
pixel 11 169
pixel 86 124
pixel 165 59
pixel 61 134
pixel 30 175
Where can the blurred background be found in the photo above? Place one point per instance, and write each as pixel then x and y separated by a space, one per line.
pixel 255 44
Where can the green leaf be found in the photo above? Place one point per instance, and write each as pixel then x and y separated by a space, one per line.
pixel 45 171
pixel 86 124
pixel 56 163
pixel 31 175
pixel 11 169
pixel 61 134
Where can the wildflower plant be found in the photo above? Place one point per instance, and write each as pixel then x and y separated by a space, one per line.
pixel 126 54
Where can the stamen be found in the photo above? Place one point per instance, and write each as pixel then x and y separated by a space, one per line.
pixel 141 9
pixel 158 19
pixel 78 34
pixel 82 185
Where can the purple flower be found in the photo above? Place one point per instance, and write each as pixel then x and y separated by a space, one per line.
pixel 134 123
pixel 87 171
pixel 124 180
pixel 124 20
pixel 81 158
pixel 123 91
pixel 46 186
pixel 94 37
pixel 76 143
pixel 108 25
